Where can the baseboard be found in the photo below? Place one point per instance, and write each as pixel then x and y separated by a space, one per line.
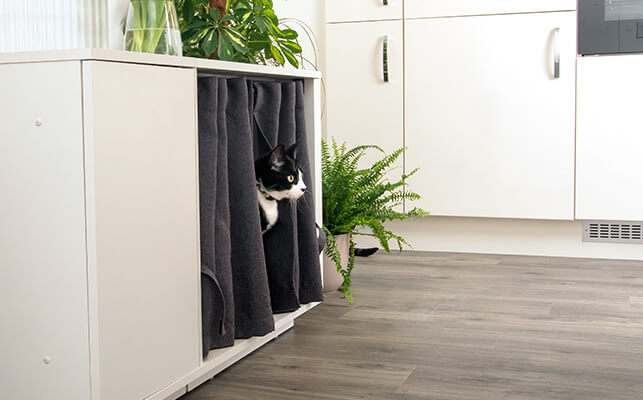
pixel 505 236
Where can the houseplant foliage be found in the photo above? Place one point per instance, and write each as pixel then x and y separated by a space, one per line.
pixel 236 30
pixel 354 199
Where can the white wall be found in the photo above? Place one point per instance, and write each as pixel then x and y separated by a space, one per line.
pixel 312 13
pixel 117 13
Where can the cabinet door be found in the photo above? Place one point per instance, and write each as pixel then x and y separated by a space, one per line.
pixel 426 9
pixel 142 228
pixel 363 10
pixel 363 108
pixel 44 347
pixel 487 120
pixel 609 176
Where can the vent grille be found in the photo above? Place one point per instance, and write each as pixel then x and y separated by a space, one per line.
pixel 613 232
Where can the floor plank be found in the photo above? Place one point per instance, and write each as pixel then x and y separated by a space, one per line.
pixel 459 326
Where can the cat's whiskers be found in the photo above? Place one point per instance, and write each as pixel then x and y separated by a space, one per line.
pixel 303 201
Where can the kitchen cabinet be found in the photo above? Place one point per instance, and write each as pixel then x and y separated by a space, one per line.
pixel 101 230
pixel 364 106
pixel 609 178
pixel 363 10
pixel 452 8
pixel 489 117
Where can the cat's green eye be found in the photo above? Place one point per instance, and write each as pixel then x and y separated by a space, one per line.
pixel 291 178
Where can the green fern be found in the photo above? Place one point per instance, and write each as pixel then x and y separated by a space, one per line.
pixel 362 198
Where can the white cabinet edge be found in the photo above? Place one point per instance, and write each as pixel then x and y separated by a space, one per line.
pixel 204 66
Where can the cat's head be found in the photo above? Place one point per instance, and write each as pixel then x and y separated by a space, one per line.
pixel 280 174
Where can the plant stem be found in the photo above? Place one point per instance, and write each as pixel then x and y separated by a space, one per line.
pixel 158 31
pixel 138 24
pixel 150 18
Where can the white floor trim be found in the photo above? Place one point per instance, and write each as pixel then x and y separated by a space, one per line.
pixel 506 236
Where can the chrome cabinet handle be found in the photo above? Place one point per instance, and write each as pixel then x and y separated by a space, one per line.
pixel 556 53
pixel 385 58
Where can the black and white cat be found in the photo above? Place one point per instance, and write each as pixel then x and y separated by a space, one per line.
pixel 279 177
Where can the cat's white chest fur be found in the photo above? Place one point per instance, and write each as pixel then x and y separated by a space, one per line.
pixel 270 209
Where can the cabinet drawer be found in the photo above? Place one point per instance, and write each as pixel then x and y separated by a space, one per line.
pixel 427 9
pixel 363 10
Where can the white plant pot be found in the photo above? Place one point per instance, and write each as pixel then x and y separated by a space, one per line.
pixel 332 278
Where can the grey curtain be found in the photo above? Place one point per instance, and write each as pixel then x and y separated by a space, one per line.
pixel 291 246
pixel 247 276
pixel 235 295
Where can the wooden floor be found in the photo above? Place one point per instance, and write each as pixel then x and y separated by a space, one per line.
pixel 454 326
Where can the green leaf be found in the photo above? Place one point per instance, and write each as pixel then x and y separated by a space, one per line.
pixel 274 28
pixel 289 34
pixel 228 18
pixel 188 11
pixel 196 25
pixel 244 15
pixel 211 43
pixel 276 53
pixel 199 35
pixel 271 16
pixel 292 46
pixel 292 60
pixel 258 45
pixel 261 24
pixel 225 48
pixel 237 39
pixel 213 14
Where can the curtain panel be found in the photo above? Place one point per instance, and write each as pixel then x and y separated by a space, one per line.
pixel 247 276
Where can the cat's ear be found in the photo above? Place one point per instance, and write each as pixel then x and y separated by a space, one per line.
pixel 292 151
pixel 277 157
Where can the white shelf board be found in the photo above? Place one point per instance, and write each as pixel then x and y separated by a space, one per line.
pixel 220 359
pixel 203 65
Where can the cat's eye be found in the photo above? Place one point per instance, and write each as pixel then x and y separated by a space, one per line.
pixel 291 178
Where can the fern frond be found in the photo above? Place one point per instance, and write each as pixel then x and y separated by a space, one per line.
pixel 355 197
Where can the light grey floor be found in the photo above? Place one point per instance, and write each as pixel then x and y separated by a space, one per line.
pixel 455 326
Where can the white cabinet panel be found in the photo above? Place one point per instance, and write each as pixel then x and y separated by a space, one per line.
pixel 609 177
pixel 142 203
pixel 363 10
pixel 362 107
pixel 491 127
pixel 43 273
pixel 449 8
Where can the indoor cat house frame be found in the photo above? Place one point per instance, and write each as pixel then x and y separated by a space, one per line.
pixel 99 204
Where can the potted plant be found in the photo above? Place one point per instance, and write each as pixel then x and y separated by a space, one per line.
pixel 237 30
pixel 357 198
